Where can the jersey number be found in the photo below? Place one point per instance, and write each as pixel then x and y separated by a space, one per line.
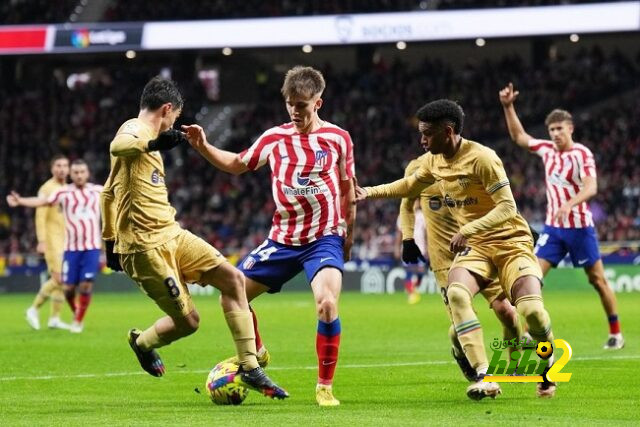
pixel 262 252
pixel 172 287
pixel 542 240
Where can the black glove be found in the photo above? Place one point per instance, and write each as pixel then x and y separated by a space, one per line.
pixel 411 253
pixel 113 259
pixel 167 140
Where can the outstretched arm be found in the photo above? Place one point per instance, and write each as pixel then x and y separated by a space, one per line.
pixel 405 187
pixel 14 200
pixel 221 159
pixel 516 131
pixel 347 202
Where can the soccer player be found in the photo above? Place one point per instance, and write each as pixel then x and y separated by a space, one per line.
pixel 571 181
pixel 441 226
pixel 50 234
pixel 313 182
pixel 143 238
pixel 415 268
pixel 493 238
pixel 79 202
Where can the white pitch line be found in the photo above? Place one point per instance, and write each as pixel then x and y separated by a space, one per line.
pixel 292 368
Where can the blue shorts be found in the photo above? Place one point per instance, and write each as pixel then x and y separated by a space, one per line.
pixel 80 266
pixel 273 264
pixel 581 244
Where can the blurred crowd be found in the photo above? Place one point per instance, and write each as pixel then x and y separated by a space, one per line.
pixel 376 106
pixel 53 11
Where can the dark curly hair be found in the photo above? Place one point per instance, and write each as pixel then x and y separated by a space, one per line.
pixel 443 111
pixel 160 91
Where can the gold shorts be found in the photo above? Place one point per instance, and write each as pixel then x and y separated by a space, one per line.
pixel 53 259
pixel 490 293
pixel 163 272
pixel 508 261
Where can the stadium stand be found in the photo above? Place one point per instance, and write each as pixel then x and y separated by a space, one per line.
pixel 234 213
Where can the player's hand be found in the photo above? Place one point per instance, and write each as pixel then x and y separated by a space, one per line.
pixel 508 95
pixel 563 213
pixel 167 140
pixel 348 243
pixel 196 136
pixel 41 248
pixel 13 199
pixel 113 259
pixel 458 243
pixel 361 194
pixel 411 252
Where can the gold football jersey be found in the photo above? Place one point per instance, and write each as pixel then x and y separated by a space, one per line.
pixel 467 180
pixel 49 219
pixel 135 201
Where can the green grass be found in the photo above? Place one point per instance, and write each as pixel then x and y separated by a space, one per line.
pixel 394 367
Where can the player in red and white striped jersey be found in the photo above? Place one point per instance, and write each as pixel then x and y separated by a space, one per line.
pixel 571 181
pixel 80 203
pixel 313 181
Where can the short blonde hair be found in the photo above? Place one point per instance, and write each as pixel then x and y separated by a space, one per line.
pixel 558 115
pixel 303 81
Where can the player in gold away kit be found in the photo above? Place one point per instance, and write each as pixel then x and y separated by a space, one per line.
pixel 143 238
pixel 493 239
pixel 50 234
pixel 441 227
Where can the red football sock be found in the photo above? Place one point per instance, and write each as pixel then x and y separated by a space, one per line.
pixel 327 345
pixel 83 304
pixel 255 328
pixel 409 286
pixel 614 324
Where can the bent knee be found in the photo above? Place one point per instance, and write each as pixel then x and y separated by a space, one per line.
pixel 458 295
pixel 503 308
pixel 190 324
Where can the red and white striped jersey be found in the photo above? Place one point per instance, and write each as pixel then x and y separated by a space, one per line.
pixel 564 171
pixel 81 211
pixel 306 170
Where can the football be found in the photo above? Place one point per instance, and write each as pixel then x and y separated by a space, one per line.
pixel 544 349
pixel 221 387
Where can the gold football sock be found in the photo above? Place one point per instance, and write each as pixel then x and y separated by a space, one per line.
pixel 149 339
pixel 455 342
pixel 57 300
pixel 45 292
pixel 467 326
pixel 241 326
pixel 515 332
pixel 532 309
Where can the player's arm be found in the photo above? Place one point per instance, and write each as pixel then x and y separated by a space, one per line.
pixel 221 159
pixel 489 169
pixel 108 211
pixel 516 131
pixel 504 210
pixel 348 206
pixel 41 226
pixel 127 144
pixel 15 199
pixel 404 187
pixel 588 190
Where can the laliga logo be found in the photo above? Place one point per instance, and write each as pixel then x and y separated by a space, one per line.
pixel 83 38
pixel 80 38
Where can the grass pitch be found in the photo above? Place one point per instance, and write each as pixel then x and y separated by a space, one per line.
pixel 394 367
